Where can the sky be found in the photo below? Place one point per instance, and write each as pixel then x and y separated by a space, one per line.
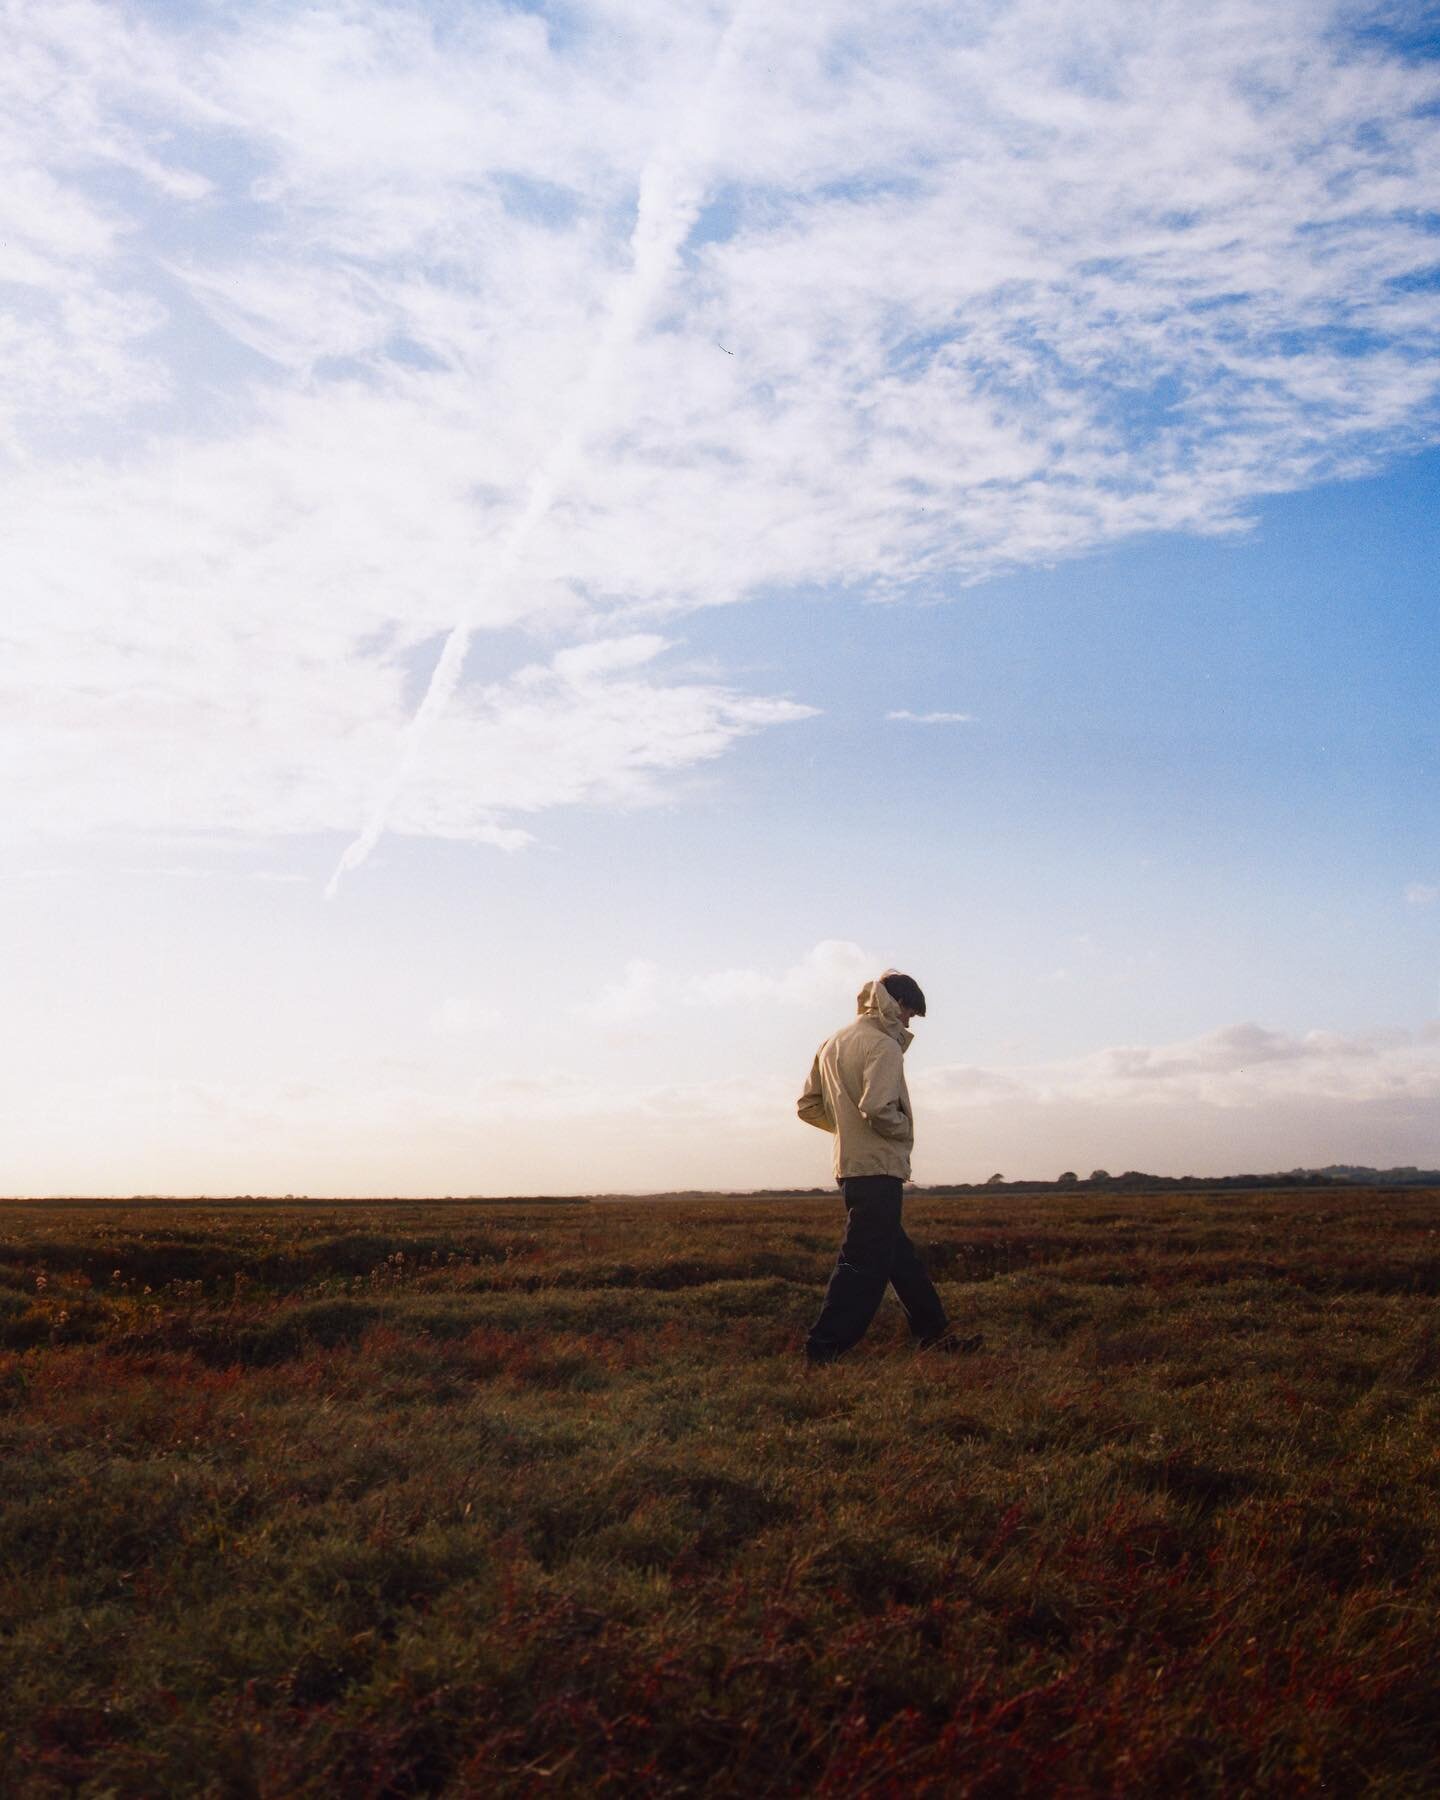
pixel 544 545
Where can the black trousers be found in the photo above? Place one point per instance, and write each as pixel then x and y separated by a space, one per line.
pixel 875 1254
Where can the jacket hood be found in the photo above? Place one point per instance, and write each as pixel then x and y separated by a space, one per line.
pixel 877 1002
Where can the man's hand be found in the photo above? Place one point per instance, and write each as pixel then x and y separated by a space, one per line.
pixel 811 1104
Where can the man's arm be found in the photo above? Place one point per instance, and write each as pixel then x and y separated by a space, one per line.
pixel 811 1104
pixel 880 1097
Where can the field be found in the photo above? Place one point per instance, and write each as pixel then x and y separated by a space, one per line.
pixel 453 1498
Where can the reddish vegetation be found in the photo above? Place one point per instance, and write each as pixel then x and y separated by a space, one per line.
pixel 449 1499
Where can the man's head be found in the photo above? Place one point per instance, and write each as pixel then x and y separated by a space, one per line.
pixel 906 991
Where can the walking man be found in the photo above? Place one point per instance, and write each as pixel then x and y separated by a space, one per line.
pixel 857 1091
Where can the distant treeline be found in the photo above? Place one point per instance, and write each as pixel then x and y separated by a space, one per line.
pixel 1335 1175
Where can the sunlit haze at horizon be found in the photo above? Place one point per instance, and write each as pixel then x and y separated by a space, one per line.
pixel 942 487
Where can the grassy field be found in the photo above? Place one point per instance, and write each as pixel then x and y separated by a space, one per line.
pixel 433 1498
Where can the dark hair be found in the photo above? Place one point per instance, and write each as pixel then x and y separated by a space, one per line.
pixel 906 991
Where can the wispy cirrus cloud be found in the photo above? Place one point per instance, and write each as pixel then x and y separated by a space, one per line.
pixel 245 748
pixel 300 299
pixel 933 718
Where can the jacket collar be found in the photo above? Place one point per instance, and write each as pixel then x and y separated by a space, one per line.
pixel 876 1003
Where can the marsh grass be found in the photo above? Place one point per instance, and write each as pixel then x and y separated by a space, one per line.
pixel 447 1499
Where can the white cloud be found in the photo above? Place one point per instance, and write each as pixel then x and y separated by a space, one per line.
pixel 1241 1097
pixel 634 996
pixel 833 970
pixel 458 1016
pixel 1243 1066
pixel 1421 893
pixel 934 718
pixel 168 871
pixel 302 297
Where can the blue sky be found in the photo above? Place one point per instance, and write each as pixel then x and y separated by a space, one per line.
pixel 955 491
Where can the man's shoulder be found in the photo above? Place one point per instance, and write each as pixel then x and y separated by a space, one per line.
pixel 864 1027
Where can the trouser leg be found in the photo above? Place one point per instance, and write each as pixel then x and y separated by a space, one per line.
pixel 862 1269
pixel 923 1306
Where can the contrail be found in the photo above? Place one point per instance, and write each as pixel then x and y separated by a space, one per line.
pixel 672 189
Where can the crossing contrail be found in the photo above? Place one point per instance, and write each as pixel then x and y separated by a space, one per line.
pixel 672 190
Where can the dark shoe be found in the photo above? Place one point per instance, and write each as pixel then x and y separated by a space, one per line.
pixel 952 1344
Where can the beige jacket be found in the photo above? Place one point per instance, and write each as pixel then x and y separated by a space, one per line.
pixel 857 1089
